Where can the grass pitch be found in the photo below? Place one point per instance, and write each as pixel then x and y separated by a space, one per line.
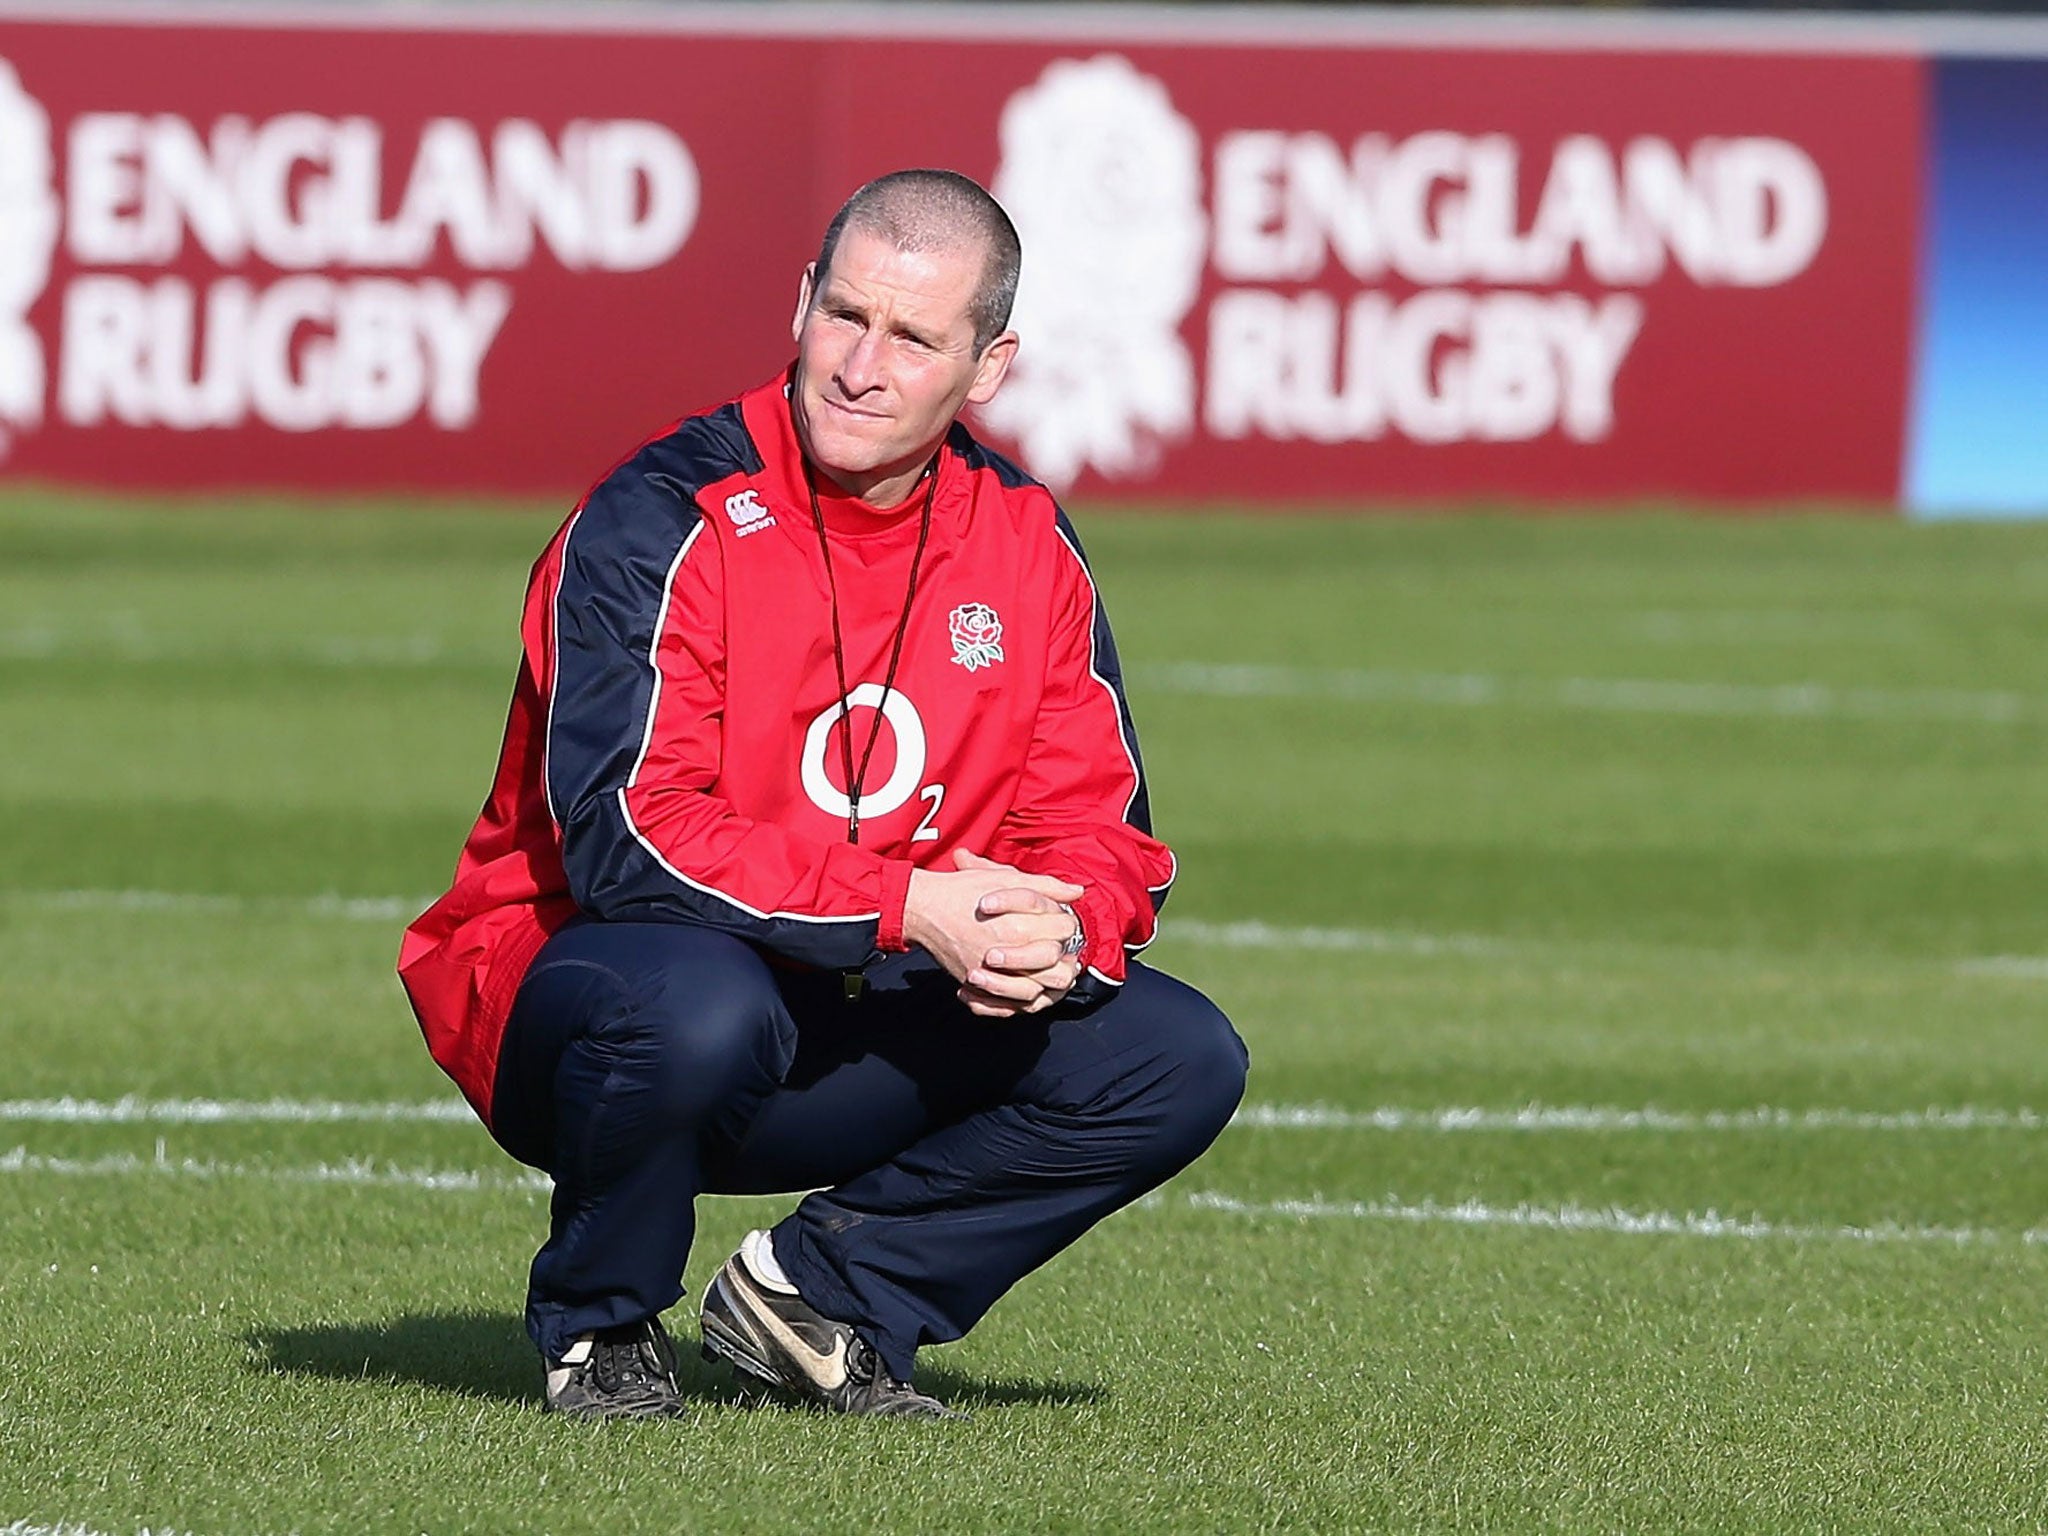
pixel 1640 928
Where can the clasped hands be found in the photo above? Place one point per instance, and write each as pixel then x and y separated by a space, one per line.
pixel 998 931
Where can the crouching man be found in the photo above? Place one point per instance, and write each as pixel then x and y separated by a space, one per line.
pixel 817 858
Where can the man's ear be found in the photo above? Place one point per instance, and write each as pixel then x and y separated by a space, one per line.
pixel 993 368
pixel 803 301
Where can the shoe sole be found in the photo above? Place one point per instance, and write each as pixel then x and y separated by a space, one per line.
pixel 724 1340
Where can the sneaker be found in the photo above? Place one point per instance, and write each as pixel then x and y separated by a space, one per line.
pixel 627 1372
pixel 765 1329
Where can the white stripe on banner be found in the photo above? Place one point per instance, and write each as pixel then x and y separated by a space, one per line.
pixel 133 1109
pixel 1652 696
pixel 1578 1218
pixel 1093 24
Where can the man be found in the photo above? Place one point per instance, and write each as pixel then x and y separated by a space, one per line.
pixel 816 857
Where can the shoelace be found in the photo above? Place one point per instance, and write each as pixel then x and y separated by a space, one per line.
pixel 864 1369
pixel 634 1361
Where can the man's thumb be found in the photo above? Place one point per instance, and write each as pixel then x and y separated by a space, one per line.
pixel 963 859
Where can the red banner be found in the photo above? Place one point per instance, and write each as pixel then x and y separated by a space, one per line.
pixel 340 259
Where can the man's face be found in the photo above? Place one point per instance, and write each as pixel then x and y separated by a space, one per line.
pixel 886 360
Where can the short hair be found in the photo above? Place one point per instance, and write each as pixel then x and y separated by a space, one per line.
pixel 926 210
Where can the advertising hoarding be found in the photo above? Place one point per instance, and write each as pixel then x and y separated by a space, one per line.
pixel 469 253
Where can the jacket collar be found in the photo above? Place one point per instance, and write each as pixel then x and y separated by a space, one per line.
pixel 766 411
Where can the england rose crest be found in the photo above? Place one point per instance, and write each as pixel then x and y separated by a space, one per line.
pixel 977 636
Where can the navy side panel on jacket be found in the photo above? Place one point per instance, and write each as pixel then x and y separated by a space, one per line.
pixel 979 456
pixel 618 563
pixel 1091 990
pixel 1111 671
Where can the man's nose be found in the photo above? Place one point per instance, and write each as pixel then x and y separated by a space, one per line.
pixel 860 370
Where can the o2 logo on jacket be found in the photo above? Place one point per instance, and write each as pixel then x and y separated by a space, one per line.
pixel 894 792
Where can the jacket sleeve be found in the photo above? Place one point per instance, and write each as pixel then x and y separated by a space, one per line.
pixel 634 629
pixel 1081 811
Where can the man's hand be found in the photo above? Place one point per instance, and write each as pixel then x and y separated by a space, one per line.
pixel 996 930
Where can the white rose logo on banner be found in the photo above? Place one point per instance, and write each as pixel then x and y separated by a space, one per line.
pixel 1104 180
pixel 977 636
pixel 1346 283
pixel 29 221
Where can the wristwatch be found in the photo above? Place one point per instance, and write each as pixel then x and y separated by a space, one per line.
pixel 1076 941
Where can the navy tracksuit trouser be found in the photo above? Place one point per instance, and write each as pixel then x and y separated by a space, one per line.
pixel 950 1155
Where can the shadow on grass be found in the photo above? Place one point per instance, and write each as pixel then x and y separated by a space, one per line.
pixel 478 1354
pixel 486 1355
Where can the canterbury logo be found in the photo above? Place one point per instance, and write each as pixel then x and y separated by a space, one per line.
pixel 747 513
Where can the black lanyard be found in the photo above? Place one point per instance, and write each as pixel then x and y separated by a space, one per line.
pixel 924 527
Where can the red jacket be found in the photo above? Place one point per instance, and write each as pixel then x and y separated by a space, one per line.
pixel 673 751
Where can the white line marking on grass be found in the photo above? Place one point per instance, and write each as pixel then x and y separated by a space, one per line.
pixel 1218 679
pixel 72 1528
pixel 358 1171
pixel 1381 941
pixel 353 909
pixel 1579 1117
pixel 1254 934
pixel 1773 626
pixel 42 642
pixel 397 909
pixel 1250 934
pixel 1579 1218
pixel 1468 1213
pixel 133 1110
pixel 1654 696
pixel 2014 967
pixel 382 909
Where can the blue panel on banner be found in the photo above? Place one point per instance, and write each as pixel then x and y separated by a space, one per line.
pixel 1977 443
